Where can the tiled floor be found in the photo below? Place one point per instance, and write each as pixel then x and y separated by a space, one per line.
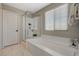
pixel 15 50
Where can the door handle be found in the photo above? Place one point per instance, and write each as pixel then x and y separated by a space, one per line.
pixel 16 30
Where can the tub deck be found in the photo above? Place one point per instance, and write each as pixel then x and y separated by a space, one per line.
pixel 50 47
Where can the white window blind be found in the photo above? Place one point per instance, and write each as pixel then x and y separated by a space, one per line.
pixel 49 20
pixel 56 19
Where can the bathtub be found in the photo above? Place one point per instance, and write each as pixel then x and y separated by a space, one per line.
pixel 50 46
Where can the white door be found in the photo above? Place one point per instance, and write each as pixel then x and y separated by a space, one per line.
pixel 10 28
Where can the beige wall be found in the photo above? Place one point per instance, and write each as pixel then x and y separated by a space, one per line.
pixel 73 31
pixel 1 26
pixel 13 9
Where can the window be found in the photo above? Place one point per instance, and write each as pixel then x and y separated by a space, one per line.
pixel 56 19
pixel 49 23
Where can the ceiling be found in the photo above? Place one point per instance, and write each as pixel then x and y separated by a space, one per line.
pixel 32 7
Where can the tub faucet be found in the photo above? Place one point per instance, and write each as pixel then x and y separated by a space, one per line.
pixel 75 44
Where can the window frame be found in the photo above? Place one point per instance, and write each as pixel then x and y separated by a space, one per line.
pixel 54 19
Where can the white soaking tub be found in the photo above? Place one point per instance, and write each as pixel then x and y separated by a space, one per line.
pixel 50 46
